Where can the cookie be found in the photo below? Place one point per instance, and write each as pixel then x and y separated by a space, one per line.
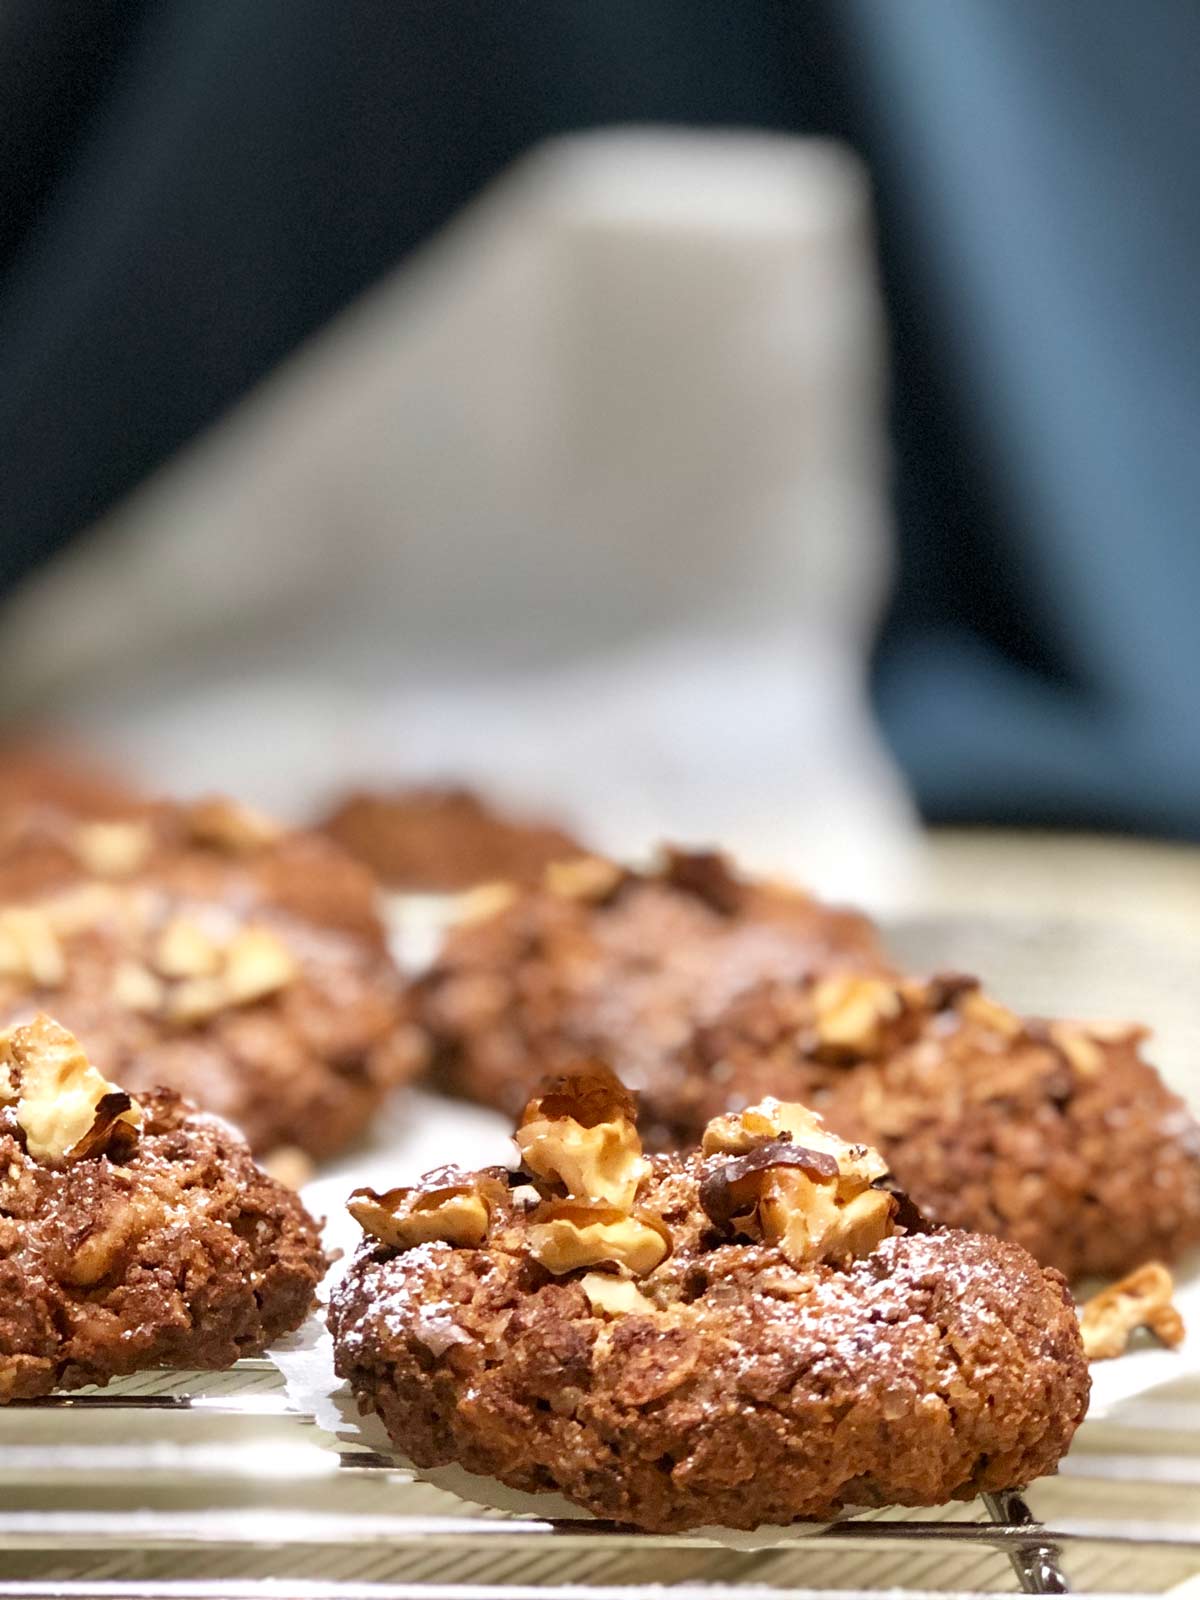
pixel 1058 1135
pixel 755 1332
pixel 133 1233
pixel 441 841
pixel 202 949
pixel 598 960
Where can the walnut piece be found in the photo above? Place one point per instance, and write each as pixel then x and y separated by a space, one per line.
pixel 137 989
pixel 29 947
pixel 566 1234
pixel 184 950
pixel 1143 1299
pixel 853 1011
pixel 589 878
pixel 228 826
pixel 580 1132
pixel 113 849
pixel 484 901
pixel 794 1184
pixel 456 1211
pixel 289 1165
pixel 255 963
pixel 773 1119
pixel 1082 1049
pixel 65 1107
pixel 613 1296
pixel 984 1012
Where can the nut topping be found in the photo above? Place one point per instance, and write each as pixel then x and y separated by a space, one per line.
pixel 484 901
pixel 814 1200
pixel 589 878
pixel 566 1234
pixel 1084 1053
pixel 615 1297
pixel 137 989
pixel 66 1109
pixel 985 1012
pixel 580 1132
pixel 228 826
pixel 1141 1300
pixel 456 1213
pixel 773 1119
pixel 852 1013
pixel 184 950
pixel 257 963
pixel 113 849
pixel 254 964
pixel 734 1190
pixel 29 947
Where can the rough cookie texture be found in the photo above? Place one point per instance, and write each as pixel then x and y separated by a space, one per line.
pixel 1057 1135
pixel 600 961
pixel 723 1380
pixel 168 1248
pixel 203 949
pixel 439 841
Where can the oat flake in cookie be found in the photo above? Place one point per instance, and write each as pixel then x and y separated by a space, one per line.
pixel 204 949
pixel 600 961
pixel 753 1333
pixel 133 1233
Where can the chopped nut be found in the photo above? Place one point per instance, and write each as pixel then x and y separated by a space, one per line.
pixel 257 963
pixel 589 878
pixel 1084 1054
pixel 113 849
pixel 136 988
pixel 615 1297
pixel 1141 1300
pixel 89 905
pixel 29 947
pixel 288 1165
pixel 580 1132
pixel 853 1011
pixel 814 1199
pixel 981 1009
pixel 184 950
pixel 456 1213
pixel 735 1189
pixel 66 1108
pixel 484 901
pixel 195 1000
pixel 226 825
pixel 564 1235
pixel 773 1119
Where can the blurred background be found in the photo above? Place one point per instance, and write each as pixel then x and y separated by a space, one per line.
pixel 756 422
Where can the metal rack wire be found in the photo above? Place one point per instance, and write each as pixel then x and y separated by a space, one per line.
pixel 199 1486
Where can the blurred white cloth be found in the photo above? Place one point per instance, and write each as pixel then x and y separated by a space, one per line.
pixel 585 504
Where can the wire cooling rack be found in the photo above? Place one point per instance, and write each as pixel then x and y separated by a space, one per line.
pixel 191 1486
pixel 212 1485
